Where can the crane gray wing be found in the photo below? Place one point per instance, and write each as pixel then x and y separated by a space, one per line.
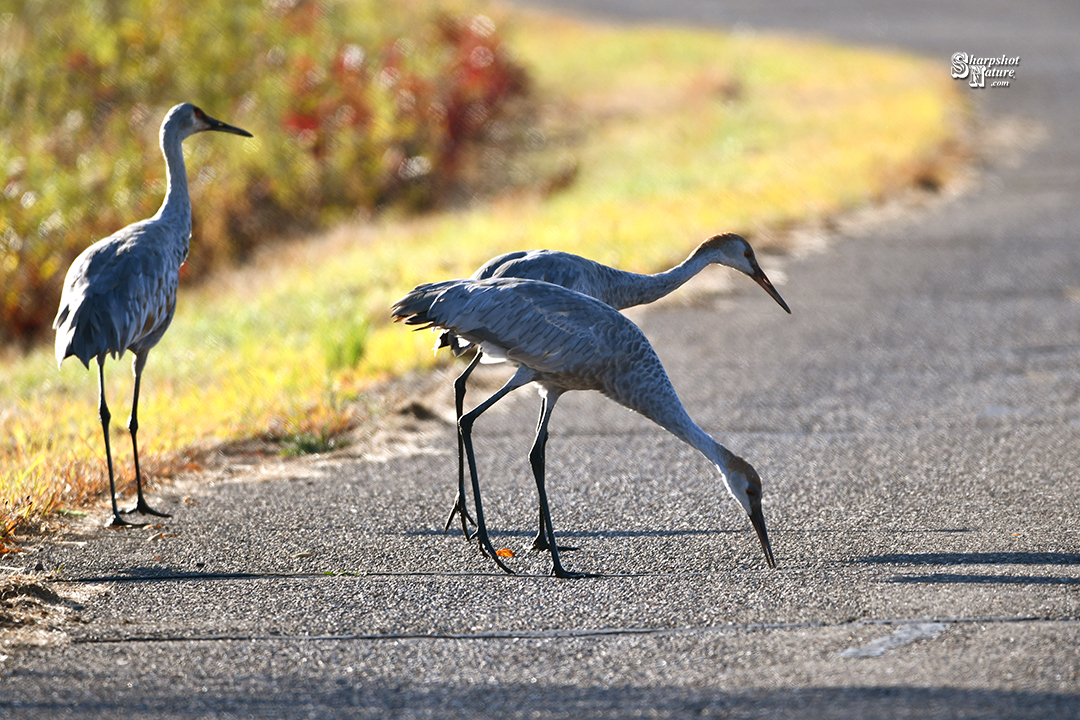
pixel 496 265
pixel 572 272
pixel 543 326
pixel 118 294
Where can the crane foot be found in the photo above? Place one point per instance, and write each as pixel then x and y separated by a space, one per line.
pixel 459 508
pixel 118 521
pixel 541 543
pixel 487 549
pixel 142 508
pixel 560 572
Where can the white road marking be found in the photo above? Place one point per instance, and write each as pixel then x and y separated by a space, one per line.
pixel 903 635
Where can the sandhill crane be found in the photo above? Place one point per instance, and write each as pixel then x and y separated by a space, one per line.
pixel 120 293
pixel 563 340
pixel 617 288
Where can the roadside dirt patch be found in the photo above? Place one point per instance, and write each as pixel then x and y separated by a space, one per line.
pixel 34 611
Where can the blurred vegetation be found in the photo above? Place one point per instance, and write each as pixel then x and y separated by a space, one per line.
pixel 353 109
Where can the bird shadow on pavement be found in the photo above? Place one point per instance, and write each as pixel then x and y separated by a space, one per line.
pixel 1050 559
pixel 161 574
pixel 298 695
pixel 588 533
pixel 991 558
pixel 950 579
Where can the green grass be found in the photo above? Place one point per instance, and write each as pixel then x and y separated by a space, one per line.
pixel 676 134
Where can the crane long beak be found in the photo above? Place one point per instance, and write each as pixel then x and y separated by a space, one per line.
pixel 219 126
pixel 760 278
pixel 757 519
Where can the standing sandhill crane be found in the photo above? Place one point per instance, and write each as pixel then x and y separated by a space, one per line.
pixel 617 288
pixel 120 293
pixel 563 340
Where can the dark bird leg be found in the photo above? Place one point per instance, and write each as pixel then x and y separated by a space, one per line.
pixel 536 459
pixel 465 424
pixel 103 413
pixel 540 542
pixel 459 403
pixel 133 426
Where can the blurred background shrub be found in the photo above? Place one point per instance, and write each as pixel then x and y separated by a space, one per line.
pixel 355 108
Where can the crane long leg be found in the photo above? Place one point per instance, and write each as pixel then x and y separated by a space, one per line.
pixel 536 459
pixel 540 542
pixel 133 427
pixel 459 404
pixel 465 424
pixel 105 415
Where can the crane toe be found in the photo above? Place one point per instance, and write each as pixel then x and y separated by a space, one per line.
pixel 466 519
pixel 118 521
pixel 563 573
pixel 143 508
pixel 541 543
pixel 486 547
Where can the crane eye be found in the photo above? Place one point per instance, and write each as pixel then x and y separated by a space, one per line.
pixel 200 114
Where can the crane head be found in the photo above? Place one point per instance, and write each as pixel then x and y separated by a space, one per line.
pixel 735 252
pixel 745 485
pixel 186 119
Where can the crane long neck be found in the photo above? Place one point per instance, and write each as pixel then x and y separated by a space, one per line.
pixel 683 427
pixel 177 203
pixel 662 405
pixel 641 289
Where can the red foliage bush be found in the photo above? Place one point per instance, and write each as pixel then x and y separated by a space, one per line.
pixel 347 119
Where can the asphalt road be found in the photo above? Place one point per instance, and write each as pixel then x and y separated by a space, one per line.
pixel 916 422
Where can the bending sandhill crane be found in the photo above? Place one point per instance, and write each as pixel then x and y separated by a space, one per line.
pixel 563 340
pixel 617 288
pixel 120 293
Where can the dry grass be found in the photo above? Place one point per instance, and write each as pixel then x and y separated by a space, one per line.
pixel 667 135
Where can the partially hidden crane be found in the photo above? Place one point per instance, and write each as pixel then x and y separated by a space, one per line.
pixel 563 340
pixel 618 288
pixel 120 293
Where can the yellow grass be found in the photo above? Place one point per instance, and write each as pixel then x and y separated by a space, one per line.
pixel 676 134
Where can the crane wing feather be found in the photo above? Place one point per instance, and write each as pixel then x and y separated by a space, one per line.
pixel 119 293
pixel 535 323
pixel 551 266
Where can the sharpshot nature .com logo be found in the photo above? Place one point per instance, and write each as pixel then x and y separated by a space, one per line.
pixel 1000 71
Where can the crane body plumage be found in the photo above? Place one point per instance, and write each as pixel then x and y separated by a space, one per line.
pixel 619 289
pixel 120 293
pixel 562 340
